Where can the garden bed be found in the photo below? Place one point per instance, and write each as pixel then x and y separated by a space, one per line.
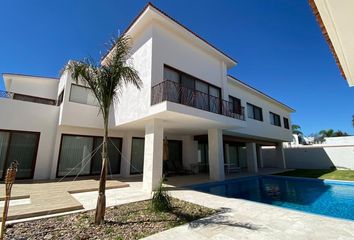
pixel 129 221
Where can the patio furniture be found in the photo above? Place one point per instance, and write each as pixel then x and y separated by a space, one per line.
pixel 231 168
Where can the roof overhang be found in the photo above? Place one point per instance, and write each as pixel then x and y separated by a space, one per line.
pixel 151 13
pixel 336 20
pixel 8 77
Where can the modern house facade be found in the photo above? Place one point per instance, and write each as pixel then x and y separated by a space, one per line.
pixel 208 120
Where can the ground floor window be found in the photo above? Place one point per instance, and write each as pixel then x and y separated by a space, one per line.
pixel 235 153
pixel 203 157
pixel 20 146
pixel 137 156
pixel 174 161
pixel 81 155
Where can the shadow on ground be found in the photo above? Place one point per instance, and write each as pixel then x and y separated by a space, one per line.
pixel 221 219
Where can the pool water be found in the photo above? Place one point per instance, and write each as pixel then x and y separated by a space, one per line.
pixel 325 197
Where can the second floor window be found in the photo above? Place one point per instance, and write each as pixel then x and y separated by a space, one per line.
pixel 191 91
pixel 254 112
pixel 274 119
pixel 81 94
pixel 286 123
pixel 235 105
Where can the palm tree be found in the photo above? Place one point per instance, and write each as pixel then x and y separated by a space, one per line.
pixel 106 82
pixel 327 133
pixel 296 129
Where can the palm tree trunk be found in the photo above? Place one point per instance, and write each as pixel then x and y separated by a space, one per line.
pixel 101 201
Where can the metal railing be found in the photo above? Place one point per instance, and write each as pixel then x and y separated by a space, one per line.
pixel 174 92
pixel 27 98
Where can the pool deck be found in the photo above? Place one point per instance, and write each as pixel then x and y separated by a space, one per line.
pixel 242 219
pixel 238 219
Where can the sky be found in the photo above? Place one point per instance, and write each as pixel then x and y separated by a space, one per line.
pixel 278 45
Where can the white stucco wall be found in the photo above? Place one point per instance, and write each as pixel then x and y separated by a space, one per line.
pixel 313 157
pixel 32 86
pixel 28 116
pixel 348 140
pixel 79 114
pixel 133 103
pixel 171 49
pixel 263 128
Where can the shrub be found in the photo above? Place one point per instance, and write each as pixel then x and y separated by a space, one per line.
pixel 161 200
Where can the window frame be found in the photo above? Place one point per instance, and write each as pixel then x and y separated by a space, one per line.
pixel 93 146
pixel 195 79
pixel 233 99
pixel 254 112
pixel 286 123
pixel 35 154
pixel 272 117
pixel 89 89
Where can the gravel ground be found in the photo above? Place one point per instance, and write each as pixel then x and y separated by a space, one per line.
pixel 129 221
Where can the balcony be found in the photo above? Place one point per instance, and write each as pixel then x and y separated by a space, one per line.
pixel 27 98
pixel 174 92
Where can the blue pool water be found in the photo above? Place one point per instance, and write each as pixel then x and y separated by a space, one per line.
pixel 330 198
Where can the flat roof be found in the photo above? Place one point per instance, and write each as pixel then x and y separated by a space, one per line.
pixel 28 75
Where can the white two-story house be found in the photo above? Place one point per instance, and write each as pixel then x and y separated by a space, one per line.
pixel 209 121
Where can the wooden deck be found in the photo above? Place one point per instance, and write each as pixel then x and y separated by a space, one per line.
pixel 50 197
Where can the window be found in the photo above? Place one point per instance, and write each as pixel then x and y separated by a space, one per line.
pixel 81 155
pixel 34 99
pixel 22 147
pixel 274 119
pixel 254 112
pixel 81 94
pixel 235 105
pixel 60 98
pixel 188 90
pixel 137 156
pixel 286 123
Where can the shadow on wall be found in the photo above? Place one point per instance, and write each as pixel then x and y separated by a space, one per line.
pixel 312 157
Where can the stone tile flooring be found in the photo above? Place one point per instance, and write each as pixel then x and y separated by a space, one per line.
pixel 242 219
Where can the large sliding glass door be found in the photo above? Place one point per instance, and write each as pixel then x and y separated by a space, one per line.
pixel 203 157
pixel 236 154
pixel 137 156
pixel 81 155
pixel 20 146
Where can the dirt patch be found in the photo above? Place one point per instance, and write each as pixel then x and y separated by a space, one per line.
pixel 129 221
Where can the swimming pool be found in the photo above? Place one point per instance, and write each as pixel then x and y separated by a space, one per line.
pixel 325 197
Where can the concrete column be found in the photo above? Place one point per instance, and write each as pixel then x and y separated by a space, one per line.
pixel 251 157
pixel 216 155
pixel 153 154
pixel 279 151
pixel 126 155
pixel 260 156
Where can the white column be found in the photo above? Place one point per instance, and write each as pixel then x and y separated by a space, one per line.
pixel 260 156
pixel 251 157
pixel 216 155
pixel 153 154
pixel 126 155
pixel 280 155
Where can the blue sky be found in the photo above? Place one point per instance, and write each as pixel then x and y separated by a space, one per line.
pixel 278 44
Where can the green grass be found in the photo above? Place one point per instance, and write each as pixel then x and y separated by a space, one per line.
pixel 321 174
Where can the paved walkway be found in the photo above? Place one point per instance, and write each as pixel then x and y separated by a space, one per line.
pixel 38 198
pixel 242 219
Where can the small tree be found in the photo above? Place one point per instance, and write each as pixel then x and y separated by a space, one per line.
pixel 106 83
